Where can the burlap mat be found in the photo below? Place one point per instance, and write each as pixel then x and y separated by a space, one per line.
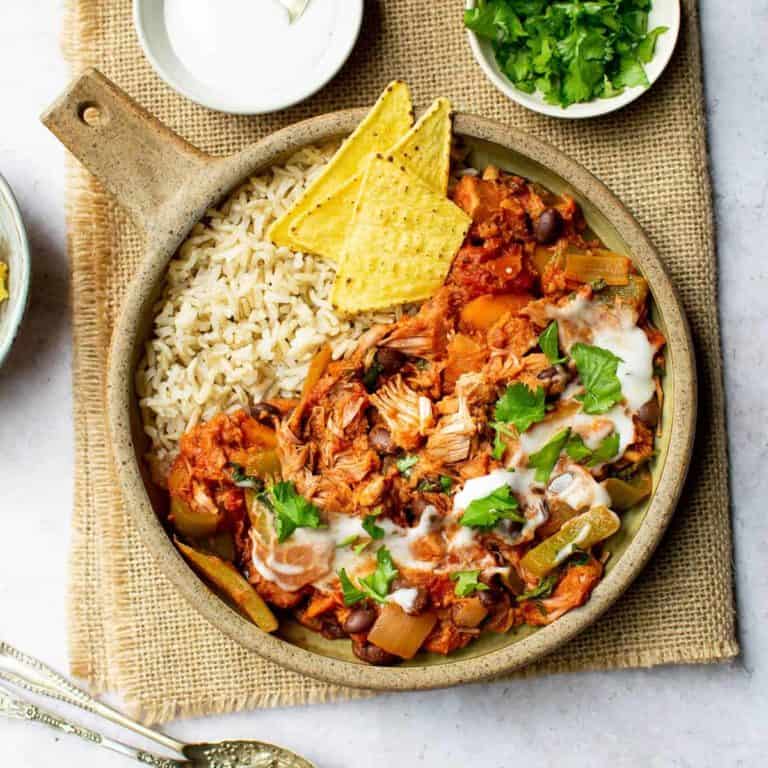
pixel 129 630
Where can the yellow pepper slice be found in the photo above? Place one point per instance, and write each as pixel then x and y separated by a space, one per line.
pixel 625 494
pixel 225 577
pixel 580 532
pixel 193 523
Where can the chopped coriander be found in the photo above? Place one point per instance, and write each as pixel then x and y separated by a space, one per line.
pixel 607 449
pixel 442 485
pixel 376 585
pixel 486 512
pixel 347 541
pixel 374 531
pixel 446 483
pixel 570 51
pixel 578 451
pixel 467 582
pixel 576 448
pixel 291 510
pixel 597 371
pixel 549 343
pixel 580 558
pixel 544 460
pixel 405 464
pixel 358 548
pixel 242 480
pixel 520 406
pixel 499 446
pixel 541 590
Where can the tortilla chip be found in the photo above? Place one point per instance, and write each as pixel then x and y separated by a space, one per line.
pixel 401 241
pixel 3 284
pixel 425 152
pixel 389 119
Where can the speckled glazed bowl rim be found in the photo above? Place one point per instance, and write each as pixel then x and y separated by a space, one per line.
pixel 19 264
pixel 165 207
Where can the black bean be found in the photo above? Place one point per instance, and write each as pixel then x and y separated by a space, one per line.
pixel 380 440
pixel 372 654
pixel 360 620
pixel 390 360
pixel 548 373
pixel 332 630
pixel 548 226
pixel 649 413
pixel 489 597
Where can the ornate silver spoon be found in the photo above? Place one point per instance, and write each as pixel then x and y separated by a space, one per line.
pixel 34 676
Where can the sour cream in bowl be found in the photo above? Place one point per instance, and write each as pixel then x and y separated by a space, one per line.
pixel 247 57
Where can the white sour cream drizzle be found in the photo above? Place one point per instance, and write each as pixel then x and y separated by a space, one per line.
pixel 570 483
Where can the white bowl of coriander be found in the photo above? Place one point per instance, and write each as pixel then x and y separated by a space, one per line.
pixel 572 58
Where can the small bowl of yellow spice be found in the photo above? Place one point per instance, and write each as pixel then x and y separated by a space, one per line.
pixel 14 269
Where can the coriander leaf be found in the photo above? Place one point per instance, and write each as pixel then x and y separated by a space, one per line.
pixel 358 548
pixel 467 582
pixel 291 510
pixel 631 73
pixel 494 20
pixel 548 341
pixel 647 47
pixel 576 449
pixel 486 512
pixel 521 406
pixel 376 585
pixel 597 370
pixel 350 592
pixel 242 480
pixel 580 558
pixel 446 483
pixel 499 446
pixel 609 91
pixel 607 449
pixel 405 464
pixel 544 460
pixel 347 541
pixel 541 590
pixel 374 531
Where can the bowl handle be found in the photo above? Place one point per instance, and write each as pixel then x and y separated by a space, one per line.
pixel 143 163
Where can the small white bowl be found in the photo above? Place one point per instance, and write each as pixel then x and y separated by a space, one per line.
pixel 14 251
pixel 664 13
pixel 243 56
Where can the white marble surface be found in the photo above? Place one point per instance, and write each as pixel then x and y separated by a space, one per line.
pixel 675 716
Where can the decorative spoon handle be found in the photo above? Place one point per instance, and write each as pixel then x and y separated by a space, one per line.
pixel 16 708
pixel 44 681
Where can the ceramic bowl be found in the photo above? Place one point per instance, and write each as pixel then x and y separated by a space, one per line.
pixel 235 79
pixel 14 251
pixel 664 13
pixel 169 191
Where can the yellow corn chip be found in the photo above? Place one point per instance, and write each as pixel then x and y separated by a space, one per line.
pixel 389 119
pixel 425 152
pixel 401 241
pixel 3 285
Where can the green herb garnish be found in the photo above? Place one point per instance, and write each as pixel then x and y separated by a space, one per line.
pixel 549 343
pixel 376 585
pixel 374 531
pixel 242 480
pixel 442 485
pixel 347 541
pixel 291 510
pixel 541 590
pixel 486 512
pixel 570 51
pixel 520 406
pixel 597 371
pixel 446 483
pixel 544 460
pixel 578 451
pixel 358 548
pixel 405 464
pixel 467 582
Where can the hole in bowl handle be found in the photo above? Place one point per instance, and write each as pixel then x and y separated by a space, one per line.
pixel 143 163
